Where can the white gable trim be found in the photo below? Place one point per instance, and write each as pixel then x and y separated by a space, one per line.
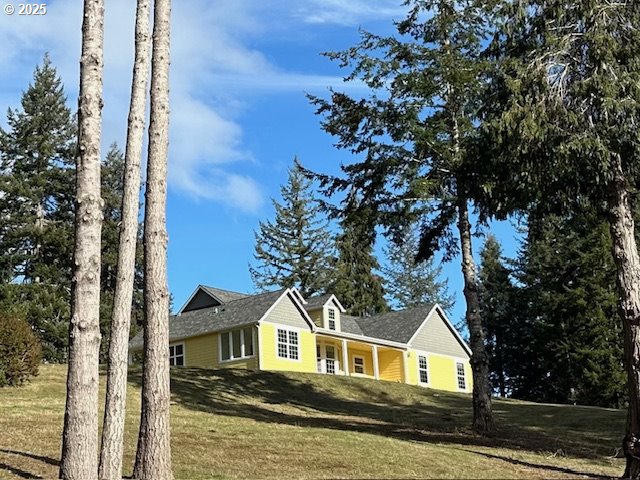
pixel 193 295
pixel 297 293
pixel 299 306
pixel 438 309
pixel 337 303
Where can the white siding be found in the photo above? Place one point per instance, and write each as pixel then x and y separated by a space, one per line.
pixel 286 313
pixel 435 337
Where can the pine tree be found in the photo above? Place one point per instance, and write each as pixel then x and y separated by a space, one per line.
pixel 562 130
pixel 497 297
pixel 566 272
pixel 355 281
pixel 409 283
pixel 295 249
pixel 36 210
pixel 415 132
pixel 125 302
pixel 153 455
pixel 112 194
pixel 80 434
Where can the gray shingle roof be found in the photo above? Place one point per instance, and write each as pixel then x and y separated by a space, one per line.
pixel 224 296
pixel 316 302
pixel 397 326
pixel 243 311
pixel 349 324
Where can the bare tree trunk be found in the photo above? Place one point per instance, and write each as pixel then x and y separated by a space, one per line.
pixel 482 411
pixel 153 457
pixel 625 255
pixel 80 437
pixel 115 405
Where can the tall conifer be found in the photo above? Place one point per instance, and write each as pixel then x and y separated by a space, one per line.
pixel 413 135
pixel 36 209
pixel 562 123
pixel 409 282
pixel 295 249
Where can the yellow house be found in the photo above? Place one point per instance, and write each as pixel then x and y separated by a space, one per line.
pixel 282 331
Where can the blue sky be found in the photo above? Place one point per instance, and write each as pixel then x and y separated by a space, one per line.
pixel 239 114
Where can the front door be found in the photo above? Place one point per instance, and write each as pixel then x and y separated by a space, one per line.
pixel 330 354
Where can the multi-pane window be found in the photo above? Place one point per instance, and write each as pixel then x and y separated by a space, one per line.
pixel 358 365
pixel 331 359
pixel 176 355
pixel 422 369
pixel 236 344
pixel 332 319
pixel 288 344
pixel 462 384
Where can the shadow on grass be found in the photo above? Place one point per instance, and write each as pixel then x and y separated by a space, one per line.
pixel 23 473
pixel 522 463
pixel 17 471
pixel 426 416
pixel 33 456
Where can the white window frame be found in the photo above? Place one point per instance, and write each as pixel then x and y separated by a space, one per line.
pixel 464 376
pixel 364 365
pixel 184 356
pixel 289 330
pixel 331 322
pixel 426 359
pixel 242 345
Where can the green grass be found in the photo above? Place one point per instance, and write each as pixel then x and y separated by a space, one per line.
pixel 239 424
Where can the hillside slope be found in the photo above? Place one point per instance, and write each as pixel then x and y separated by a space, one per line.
pixel 238 424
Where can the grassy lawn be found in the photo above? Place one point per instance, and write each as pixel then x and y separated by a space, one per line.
pixel 238 424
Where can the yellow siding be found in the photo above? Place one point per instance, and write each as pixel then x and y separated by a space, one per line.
pixel 391 367
pixel 269 359
pixel 202 352
pixel 441 369
pixel 368 360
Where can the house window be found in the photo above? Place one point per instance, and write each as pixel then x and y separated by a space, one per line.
pixel 236 344
pixel 422 369
pixel 358 365
pixel 330 353
pixel 288 344
pixel 332 319
pixel 176 355
pixel 462 384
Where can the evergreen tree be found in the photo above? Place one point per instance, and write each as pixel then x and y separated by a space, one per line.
pixel 569 320
pixel 295 249
pixel 409 282
pixel 497 297
pixel 36 210
pixel 414 132
pixel 112 192
pixel 153 454
pixel 562 131
pixel 124 301
pixel 79 458
pixel 355 282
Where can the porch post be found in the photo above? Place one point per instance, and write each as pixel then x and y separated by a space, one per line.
pixel 376 372
pixel 405 366
pixel 345 358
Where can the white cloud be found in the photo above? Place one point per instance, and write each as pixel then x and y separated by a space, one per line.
pixel 348 12
pixel 213 67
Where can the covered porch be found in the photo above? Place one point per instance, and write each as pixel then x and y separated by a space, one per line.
pixel 349 357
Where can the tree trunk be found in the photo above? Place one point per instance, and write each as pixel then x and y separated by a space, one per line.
pixel 80 437
pixel 482 413
pixel 625 256
pixel 153 457
pixel 115 405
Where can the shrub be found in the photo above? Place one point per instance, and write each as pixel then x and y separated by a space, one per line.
pixel 20 351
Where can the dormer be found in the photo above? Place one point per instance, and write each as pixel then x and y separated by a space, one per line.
pixel 206 297
pixel 325 311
